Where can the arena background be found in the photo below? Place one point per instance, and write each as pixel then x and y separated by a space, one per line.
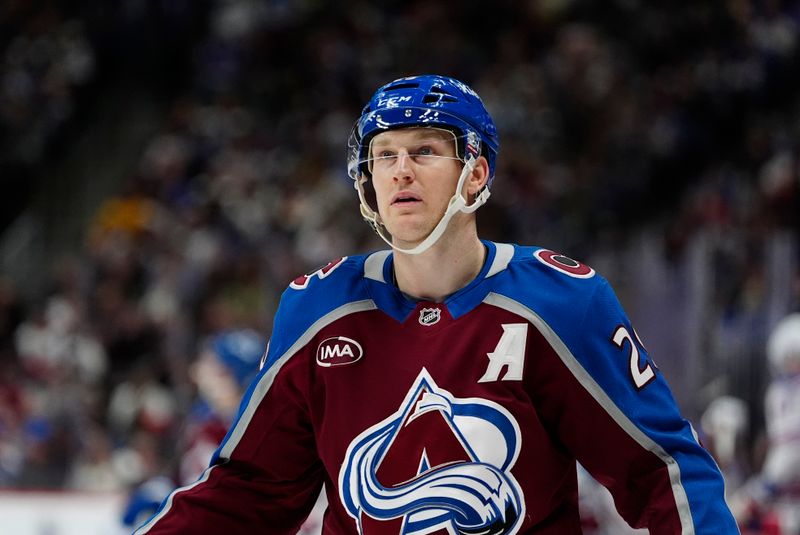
pixel 167 167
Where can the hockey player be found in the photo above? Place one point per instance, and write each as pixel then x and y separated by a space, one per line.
pixel 225 365
pixel 782 403
pixel 773 495
pixel 448 384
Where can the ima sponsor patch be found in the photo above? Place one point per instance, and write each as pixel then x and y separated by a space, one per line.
pixel 338 351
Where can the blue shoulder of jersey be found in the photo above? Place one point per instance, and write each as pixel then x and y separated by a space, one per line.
pixel 577 311
pixel 554 287
pixel 580 312
pixel 313 297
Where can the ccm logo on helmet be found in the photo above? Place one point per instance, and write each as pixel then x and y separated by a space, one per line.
pixel 392 102
pixel 338 351
pixel 564 264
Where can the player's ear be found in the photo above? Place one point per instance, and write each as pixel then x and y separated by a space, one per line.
pixel 479 176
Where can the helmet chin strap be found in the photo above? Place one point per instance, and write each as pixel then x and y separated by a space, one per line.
pixel 456 204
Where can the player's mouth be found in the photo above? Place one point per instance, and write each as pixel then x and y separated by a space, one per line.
pixel 405 197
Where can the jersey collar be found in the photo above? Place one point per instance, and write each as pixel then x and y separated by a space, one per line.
pixel 378 276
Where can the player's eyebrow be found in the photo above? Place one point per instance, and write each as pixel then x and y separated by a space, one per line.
pixel 417 135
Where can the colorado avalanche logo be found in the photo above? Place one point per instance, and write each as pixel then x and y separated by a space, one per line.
pixel 439 464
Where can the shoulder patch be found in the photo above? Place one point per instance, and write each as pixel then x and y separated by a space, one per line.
pixel 301 283
pixel 337 351
pixel 564 264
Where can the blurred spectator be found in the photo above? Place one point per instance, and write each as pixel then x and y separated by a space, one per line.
pixel 723 425
pixel 44 64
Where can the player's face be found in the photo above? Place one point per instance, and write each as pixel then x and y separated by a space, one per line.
pixel 414 173
pixel 216 385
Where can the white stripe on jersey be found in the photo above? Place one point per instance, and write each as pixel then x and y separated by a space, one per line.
pixel 265 382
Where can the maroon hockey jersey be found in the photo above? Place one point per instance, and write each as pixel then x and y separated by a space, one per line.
pixel 465 416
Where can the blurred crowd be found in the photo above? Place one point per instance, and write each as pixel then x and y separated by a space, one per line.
pixel 46 61
pixel 659 142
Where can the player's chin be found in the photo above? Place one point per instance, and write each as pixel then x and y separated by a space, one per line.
pixel 406 221
pixel 408 233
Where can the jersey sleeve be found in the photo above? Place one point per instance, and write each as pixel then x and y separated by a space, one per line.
pixel 625 428
pixel 266 472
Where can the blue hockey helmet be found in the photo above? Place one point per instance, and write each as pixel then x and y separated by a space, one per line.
pixel 240 351
pixel 426 100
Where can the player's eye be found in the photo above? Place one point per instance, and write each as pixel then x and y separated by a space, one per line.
pixel 383 158
pixel 382 154
pixel 424 151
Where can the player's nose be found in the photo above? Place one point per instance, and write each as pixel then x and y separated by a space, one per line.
pixel 403 169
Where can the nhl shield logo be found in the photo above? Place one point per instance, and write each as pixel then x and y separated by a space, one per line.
pixel 430 316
